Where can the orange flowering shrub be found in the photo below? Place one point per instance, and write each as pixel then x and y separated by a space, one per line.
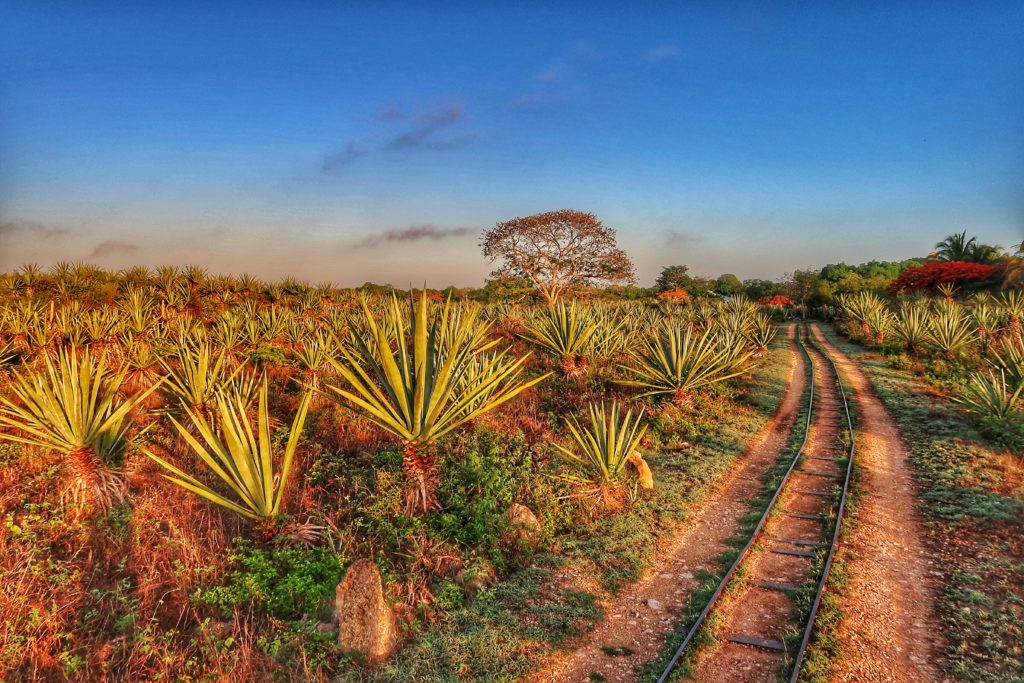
pixel 776 300
pixel 675 296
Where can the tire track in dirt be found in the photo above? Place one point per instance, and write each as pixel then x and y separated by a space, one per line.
pixel 640 616
pixel 889 626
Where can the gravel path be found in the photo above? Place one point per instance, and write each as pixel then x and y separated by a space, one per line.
pixel 889 625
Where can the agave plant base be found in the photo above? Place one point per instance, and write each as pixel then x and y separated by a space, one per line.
pixel 422 479
pixel 574 366
pixel 91 485
pixel 683 398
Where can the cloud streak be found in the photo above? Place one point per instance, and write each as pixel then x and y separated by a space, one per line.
pixel 31 230
pixel 414 233
pixel 114 248
pixel 342 157
pixel 425 135
pixel 422 135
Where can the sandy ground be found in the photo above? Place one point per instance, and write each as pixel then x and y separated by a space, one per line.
pixel 640 616
pixel 889 626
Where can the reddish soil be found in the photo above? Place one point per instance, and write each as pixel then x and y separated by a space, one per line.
pixel 889 626
pixel 639 617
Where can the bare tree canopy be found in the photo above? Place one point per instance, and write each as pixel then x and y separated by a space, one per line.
pixel 557 250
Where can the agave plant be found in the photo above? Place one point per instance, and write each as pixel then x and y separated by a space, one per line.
pixel 761 334
pixel 1012 304
pixel 566 331
pixel 240 454
pixel 990 394
pixel 314 353
pixel 419 389
pixel 879 321
pixel 910 325
pixel 612 336
pixel 200 374
pixel 860 307
pixel 603 450
pixel 677 361
pixel 1010 360
pixel 986 321
pixel 950 330
pixel 72 408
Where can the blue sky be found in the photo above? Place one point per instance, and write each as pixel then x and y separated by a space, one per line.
pixel 333 141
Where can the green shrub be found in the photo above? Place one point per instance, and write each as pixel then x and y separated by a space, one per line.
pixel 284 581
pixel 448 595
pixel 268 354
pixel 477 489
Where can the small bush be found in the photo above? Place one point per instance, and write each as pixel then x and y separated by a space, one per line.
pixel 286 582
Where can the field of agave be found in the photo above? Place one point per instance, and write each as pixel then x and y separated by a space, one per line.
pixel 973 347
pixel 192 461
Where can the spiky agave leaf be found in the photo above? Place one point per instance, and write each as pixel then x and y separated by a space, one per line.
pixel 240 455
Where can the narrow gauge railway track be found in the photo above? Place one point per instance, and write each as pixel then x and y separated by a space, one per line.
pixel 798 532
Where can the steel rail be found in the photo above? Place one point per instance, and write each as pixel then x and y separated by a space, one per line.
pixel 670 667
pixel 809 628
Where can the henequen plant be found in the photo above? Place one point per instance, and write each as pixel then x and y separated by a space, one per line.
pixel 950 330
pixel 910 325
pixel 199 375
pixel 677 361
pixel 72 408
pixel 240 454
pixel 418 388
pixel 990 394
pixel 566 331
pixel 604 448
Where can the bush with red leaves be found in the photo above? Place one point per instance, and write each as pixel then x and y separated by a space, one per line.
pixel 675 296
pixel 929 276
pixel 776 300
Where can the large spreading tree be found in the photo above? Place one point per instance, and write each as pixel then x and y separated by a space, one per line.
pixel 557 250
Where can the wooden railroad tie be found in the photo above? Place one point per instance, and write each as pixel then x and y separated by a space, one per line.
pixel 753 641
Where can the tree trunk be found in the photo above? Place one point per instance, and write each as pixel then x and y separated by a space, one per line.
pixel 421 479
pixel 91 485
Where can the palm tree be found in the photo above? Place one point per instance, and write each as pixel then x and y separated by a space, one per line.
pixel 956 247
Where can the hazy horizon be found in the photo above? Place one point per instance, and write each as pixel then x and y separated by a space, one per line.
pixel 351 144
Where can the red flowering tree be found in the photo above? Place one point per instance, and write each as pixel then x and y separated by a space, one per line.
pixel 675 296
pixel 929 276
pixel 776 300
